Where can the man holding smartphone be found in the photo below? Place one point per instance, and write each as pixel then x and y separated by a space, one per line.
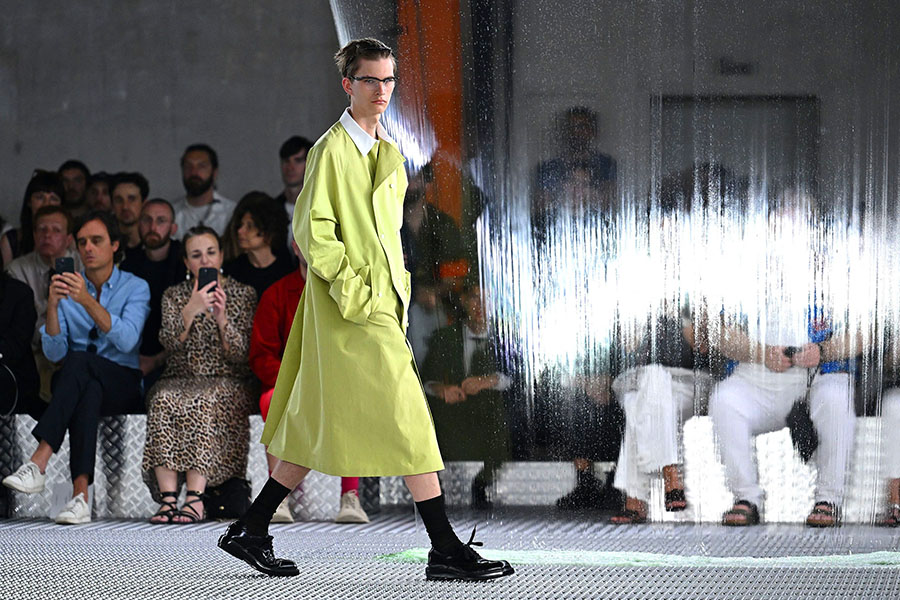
pixel 52 240
pixel 354 404
pixel 94 323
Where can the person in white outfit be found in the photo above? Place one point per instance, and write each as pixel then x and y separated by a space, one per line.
pixel 890 428
pixel 657 398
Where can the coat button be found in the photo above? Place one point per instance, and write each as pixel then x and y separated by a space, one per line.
pixel 379 294
pixel 382 236
pixel 391 185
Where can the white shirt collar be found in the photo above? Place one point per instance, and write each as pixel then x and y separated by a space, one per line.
pixel 361 139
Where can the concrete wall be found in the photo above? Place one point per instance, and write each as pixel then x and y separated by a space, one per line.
pixel 128 84
pixel 615 56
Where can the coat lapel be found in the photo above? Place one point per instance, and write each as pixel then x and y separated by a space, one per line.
pixel 389 159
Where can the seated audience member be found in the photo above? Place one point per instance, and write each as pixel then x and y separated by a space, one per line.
pixel 98 192
pixel 75 175
pixel 94 323
pixel 45 187
pixel 258 228
pixel 758 396
pixel 799 356
pixel 129 191
pixel 657 398
pixel 890 426
pixel 197 413
pixel 19 382
pixel 465 386
pixel 271 327
pixel 52 239
pixel 433 252
pixel 890 412
pixel 161 264
pixel 202 204
pixel 293 168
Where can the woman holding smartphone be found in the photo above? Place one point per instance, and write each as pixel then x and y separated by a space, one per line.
pixel 197 427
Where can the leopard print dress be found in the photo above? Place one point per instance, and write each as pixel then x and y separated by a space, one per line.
pixel 197 413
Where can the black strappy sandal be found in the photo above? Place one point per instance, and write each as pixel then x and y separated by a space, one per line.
pixel 167 509
pixel 676 500
pixel 745 510
pixel 893 517
pixel 832 512
pixel 189 512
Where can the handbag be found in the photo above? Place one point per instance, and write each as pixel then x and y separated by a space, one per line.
pixel 800 424
pixel 228 500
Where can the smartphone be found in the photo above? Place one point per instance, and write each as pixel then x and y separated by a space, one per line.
pixel 791 351
pixel 205 276
pixel 66 264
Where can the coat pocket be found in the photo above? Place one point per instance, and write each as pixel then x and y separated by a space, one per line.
pixel 354 296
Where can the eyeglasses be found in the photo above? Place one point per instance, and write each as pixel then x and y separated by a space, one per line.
pixel 374 83
pixel 93 334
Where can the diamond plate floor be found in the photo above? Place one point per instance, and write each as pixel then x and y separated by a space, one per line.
pixel 133 560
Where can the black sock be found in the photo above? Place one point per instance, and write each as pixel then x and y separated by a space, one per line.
pixel 260 512
pixel 437 525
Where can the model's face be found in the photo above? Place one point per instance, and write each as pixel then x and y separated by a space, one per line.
pixel 156 226
pixel 74 183
pixel 127 202
pixel 202 251
pixel 96 250
pixel 51 236
pixel 39 199
pixel 368 96
pixel 293 168
pixel 98 196
pixel 249 237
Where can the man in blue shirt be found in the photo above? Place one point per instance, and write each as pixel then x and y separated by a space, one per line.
pixel 94 323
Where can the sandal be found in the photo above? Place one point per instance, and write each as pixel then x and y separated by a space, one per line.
pixel 832 515
pixel 746 513
pixel 167 509
pixel 628 517
pixel 893 517
pixel 675 500
pixel 188 511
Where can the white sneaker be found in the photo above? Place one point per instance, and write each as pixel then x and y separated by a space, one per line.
pixel 75 511
pixel 27 478
pixel 283 514
pixel 351 510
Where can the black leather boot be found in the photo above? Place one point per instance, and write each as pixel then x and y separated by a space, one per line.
pixel 256 551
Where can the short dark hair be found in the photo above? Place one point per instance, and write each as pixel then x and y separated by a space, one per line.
pixel 51 209
pixel 267 214
pixel 213 157
pixel 161 202
pixel 99 177
pixel 41 181
pixel 133 178
pixel 112 229
pixel 74 164
pixel 293 145
pixel 194 232
pixel 347 58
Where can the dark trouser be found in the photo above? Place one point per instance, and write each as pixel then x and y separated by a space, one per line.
pixel 84 389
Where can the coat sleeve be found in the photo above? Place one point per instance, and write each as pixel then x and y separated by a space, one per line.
pixel 316 230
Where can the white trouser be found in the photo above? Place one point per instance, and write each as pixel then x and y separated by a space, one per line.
pixel 755 400
pixel 890 432
pixel 657 400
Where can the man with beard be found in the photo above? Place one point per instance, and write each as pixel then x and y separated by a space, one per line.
pixel 129 191
pixel 202 205
pixel 98 192
pixel 74 175
pixel 159 264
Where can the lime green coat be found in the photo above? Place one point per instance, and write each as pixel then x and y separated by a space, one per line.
pixel 348 400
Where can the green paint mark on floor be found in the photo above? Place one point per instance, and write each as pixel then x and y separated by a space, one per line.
pixel 589 558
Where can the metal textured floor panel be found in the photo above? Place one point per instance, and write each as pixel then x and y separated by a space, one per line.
pixel 133 560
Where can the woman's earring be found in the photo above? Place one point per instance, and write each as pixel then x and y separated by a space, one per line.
pixel 187 276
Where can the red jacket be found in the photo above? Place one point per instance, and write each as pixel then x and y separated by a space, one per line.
pixel 272 325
